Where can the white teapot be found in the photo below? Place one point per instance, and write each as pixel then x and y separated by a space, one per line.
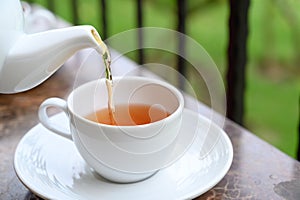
pixel 26 60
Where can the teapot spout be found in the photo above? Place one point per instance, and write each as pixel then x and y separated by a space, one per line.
pixel 35 57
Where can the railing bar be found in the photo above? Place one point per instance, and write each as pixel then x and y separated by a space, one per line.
pixel 51 5
pixel 237 58
pixel 298 153
pixel 181 27
pixel 75 14
pixel 104 19
pixel 140 31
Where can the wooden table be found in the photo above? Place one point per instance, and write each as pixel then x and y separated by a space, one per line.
pixel 258 171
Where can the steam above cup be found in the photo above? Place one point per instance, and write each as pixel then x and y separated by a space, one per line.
pixel 121 153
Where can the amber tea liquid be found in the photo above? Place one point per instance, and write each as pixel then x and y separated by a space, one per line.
pixel 129 115
pixel 109 80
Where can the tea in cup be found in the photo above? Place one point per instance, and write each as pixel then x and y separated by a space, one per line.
pixel 141 138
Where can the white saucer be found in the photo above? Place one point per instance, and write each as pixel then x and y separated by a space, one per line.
pixel 51 167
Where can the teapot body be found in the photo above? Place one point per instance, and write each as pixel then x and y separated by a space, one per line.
pixel 12 26
pixel 26 60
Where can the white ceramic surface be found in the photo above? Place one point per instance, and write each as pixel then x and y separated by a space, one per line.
pixel 51 167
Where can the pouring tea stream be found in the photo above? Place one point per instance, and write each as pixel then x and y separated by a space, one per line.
pixel 26 60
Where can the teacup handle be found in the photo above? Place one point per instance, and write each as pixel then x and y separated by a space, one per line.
pixel 45 120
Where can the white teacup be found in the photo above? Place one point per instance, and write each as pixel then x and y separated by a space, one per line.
pixel 121 153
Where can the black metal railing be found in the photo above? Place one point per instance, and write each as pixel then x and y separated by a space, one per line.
pixel 236 55
pixel 237 59
pixel 181 27
pixel 236 51
pixel 139 17
pixel 298 152
pixel 103 8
